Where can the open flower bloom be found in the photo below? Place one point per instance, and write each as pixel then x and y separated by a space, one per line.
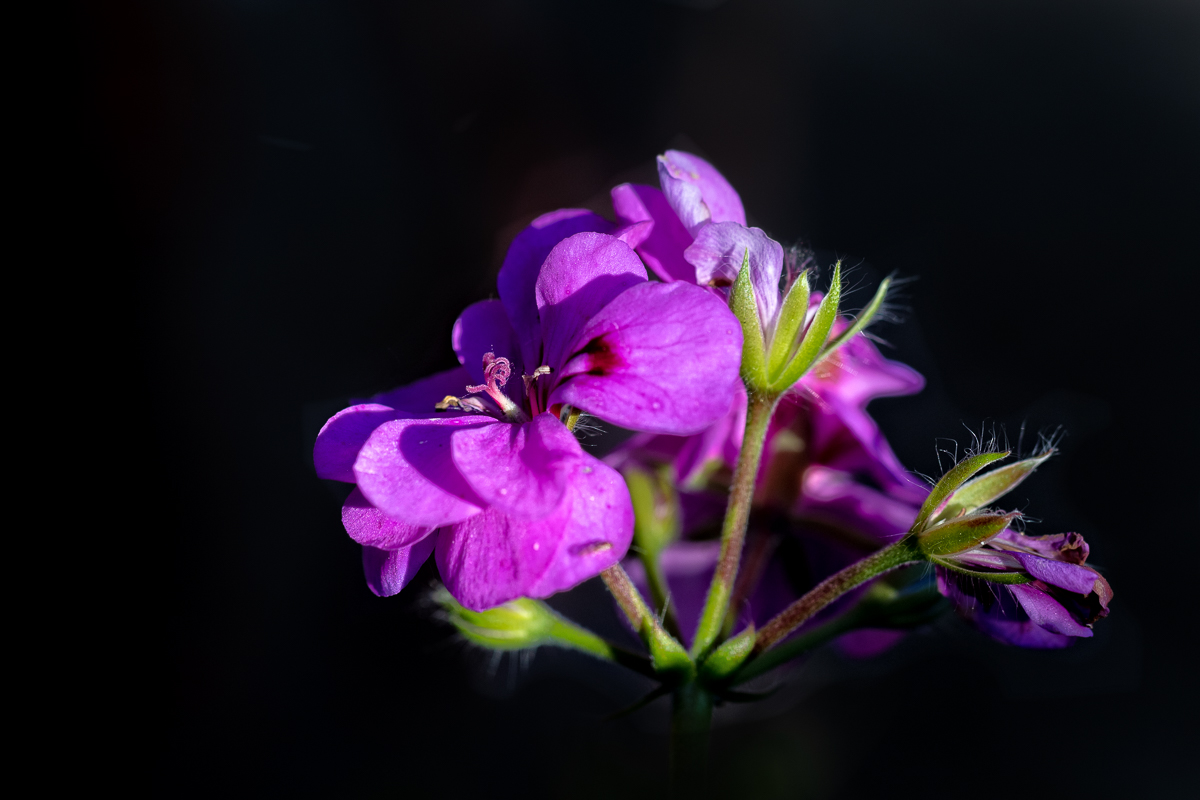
pixel 494 483
pixel 1061 601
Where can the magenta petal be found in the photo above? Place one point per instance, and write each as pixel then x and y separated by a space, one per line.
pixel 635 233
pixel 519 273
pixel 368 526
pixel 581 275
pixel 344 435
pixel 856 373
pixel 1071 577
pixel 520 469
pixel 405 469
pixel 662 357
pixel 388 571
pixel 663 248
pixel 718 253
pixel 599 530
pixel 697 191
pixel 482 328
pixel 418 399
pixel 494 557
pixel 1047 612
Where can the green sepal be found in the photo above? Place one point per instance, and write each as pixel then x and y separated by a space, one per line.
pixel 655 509
pixel 791 322
pixel 814 338
pixel 953 479
pixel 666 653
pixel 962 534
pixel 1007 578
pixel 861 321
pixel 726 659
pixel 745 308
pixel 989 487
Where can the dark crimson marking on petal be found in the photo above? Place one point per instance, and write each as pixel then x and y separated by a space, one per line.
pixel 601 358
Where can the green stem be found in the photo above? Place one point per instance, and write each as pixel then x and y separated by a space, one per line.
pixel 568 635
pixel 691 718
pixel 660 592
pixel 889 558
pixel 797 647
pixel 733 532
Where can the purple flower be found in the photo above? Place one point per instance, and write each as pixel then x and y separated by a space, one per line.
pixel 1061 600
pixel 496 485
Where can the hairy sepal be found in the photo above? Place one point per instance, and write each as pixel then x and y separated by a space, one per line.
pixel 1007 578
pixel 792 314
pixel 745 308
pixel 965 533
pixel 988 488
pixel 954 478
pixel 815 337
pixel 861 321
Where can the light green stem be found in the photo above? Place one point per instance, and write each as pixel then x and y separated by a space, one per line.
pixel 737 514
pixel 567 634
pixel 660 592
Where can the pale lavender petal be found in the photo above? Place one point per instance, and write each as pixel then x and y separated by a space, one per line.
pixel 368 526
pixel 835 497
pixel 1068 547
pixel 599 530
pixel 1079 580
pixel 856 373
pixel 662 357
pixel 519 273
pixel 581 275
pixel 405 469
pixel 494 557
pixel 635 233
pixel 343 436
pixel 520 469
pixel 388 571
pixel 697 191
pixel 718 253
pixel 1047 612
pixel 483 327
pixel 663 249
pixel 418 399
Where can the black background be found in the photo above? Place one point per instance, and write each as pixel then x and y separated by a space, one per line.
pixel 306 194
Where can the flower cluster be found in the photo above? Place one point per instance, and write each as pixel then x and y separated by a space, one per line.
pixel 769 502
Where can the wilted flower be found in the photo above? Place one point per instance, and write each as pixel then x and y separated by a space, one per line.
pixel 496 484
pixel 1058 598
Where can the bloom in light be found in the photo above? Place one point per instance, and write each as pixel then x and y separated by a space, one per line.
pixel 494 483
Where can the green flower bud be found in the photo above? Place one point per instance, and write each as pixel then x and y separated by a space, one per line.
pixel 725 660
pixel 516 625
pixel 953 479
pixel 754 348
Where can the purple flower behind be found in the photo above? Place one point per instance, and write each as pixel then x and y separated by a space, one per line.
pixel 1061 601
pixel 496 485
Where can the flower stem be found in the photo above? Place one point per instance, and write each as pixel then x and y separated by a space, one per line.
pixel 889 558
pixel 737 514
pixel 660 592
pixel 691 718
pixel 567 634
pixel 627 596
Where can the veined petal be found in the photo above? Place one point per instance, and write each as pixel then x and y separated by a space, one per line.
pixel 519 273
pixel 368 526
pixel 1071 577
pixel 661 357
pixel 697 191
pixel 520 469
pixel 343 436
pixel 580 276
pixel 495 557
pixel 718 253
pixel 419 398
pixel 663 249
pixel 1047 612
pixel 598 531
pixel 406 471
pixel 389 571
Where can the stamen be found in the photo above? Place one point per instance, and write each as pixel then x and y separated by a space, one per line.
pixel 496 372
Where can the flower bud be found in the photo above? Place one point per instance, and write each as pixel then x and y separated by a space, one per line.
pixel 754 347
pixel 516 625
